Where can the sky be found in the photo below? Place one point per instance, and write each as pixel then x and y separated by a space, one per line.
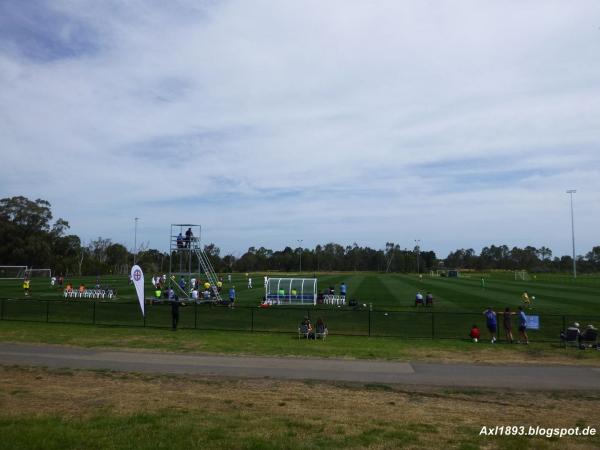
pixel 458 123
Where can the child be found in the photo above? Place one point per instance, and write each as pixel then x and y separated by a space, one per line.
pixel 474 334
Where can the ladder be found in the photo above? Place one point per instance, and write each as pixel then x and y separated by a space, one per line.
pixel 207 268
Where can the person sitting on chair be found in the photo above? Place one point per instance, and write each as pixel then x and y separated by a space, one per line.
pixel 307 329
pixel 573 330
pixel 590 335
pixel 419 299
pixel 321 328
pixel 429 299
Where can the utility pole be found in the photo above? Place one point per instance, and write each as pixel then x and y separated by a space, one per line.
pixel 300 245
pixel 571 192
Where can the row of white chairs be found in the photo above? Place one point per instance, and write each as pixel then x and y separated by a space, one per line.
pixel 89 293
pixel 334 299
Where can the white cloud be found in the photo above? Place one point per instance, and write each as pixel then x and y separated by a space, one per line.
pixel 458 123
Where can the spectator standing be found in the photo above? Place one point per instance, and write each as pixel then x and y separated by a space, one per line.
pixel 523 326
pixel 507 323
pixel 179 240
pixel 491 322
pixel 188 237
pixel 174 313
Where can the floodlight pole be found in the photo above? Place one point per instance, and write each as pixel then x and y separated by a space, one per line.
pixel 417 241
pixel 571 192
pixel 300 244
pixel 135 241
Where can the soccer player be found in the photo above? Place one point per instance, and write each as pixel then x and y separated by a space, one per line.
pixel 249 283
pixel 343 289
pixel 231 296
pixel 26 286
pixel 526 300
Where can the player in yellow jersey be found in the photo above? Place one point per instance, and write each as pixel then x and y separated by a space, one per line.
pixel 526 300
pixel 26 286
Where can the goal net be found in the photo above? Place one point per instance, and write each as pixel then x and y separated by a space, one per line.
pixel 38 273
pixel 12 272
pixel 521 275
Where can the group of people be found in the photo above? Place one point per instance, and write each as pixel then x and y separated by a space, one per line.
pixel 574 333
pixel 491 318
pixel 185 242
pixel 319 331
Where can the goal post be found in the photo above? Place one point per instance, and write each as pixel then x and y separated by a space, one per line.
pixel 38 273
pixel 12 272
pixel 521 275
pixel 291 291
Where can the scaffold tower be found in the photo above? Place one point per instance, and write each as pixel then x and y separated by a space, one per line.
pixel 188 261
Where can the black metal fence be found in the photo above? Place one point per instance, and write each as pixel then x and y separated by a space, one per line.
pixel 423 323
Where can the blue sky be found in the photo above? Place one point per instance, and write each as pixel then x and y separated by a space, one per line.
pixel 458 123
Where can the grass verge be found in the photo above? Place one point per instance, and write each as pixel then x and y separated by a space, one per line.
pixel 62 409
pixel 282 344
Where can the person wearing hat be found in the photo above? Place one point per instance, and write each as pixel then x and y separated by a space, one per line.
pixel 575 328
pixel 590 335
pixel 572 331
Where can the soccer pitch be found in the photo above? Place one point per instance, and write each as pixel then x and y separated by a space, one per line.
pixel 554 293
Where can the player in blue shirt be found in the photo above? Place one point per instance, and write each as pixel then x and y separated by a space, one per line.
pixel 231 296
pixel 491 322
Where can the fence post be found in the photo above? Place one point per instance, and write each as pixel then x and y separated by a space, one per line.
pixel 432 325
pixel 251 319
pixel 94 313
pixel 47 310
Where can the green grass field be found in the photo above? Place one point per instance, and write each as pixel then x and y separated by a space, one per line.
pixel 63 408
pixel 459 303
pixel 555 293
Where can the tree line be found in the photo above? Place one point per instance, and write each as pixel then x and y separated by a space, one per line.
pixel 29 236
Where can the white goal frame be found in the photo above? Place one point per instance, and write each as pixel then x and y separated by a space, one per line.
pixel 522 275
pixel 29 272
pixel 19 273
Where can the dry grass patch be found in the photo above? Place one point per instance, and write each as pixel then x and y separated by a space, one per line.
pixel 354 416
